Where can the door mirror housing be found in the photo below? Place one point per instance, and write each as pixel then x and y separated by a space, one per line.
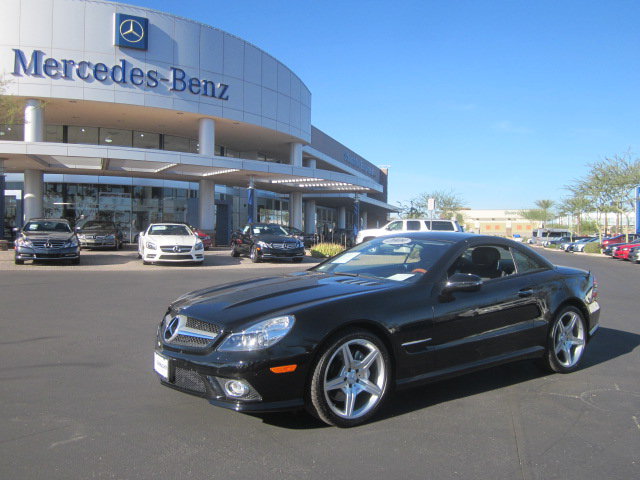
pixel 462 282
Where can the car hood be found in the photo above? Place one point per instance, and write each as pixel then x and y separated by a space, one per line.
pixel 172 239
pixel 48 235
pixel 236 304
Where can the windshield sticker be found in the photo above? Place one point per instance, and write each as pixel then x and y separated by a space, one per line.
pixel 396 241
pixel 398 277
pixel 347 257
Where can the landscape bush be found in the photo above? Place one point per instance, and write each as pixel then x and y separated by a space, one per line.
pixel 325 250
pixel 592 247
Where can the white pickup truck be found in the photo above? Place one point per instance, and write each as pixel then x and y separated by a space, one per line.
pixel 409 225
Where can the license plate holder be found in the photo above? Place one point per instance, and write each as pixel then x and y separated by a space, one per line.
pixel 161 365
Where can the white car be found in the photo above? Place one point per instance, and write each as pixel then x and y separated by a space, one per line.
pixel 409 225
pixel 169 242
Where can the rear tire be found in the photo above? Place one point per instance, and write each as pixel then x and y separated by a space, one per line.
pixel 566 341
pixel 234 252
pixel 351 379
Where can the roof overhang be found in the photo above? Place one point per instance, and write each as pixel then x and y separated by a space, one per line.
pixel 135 162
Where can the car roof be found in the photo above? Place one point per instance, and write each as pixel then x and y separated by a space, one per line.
pixel 446 236
pixel 48 220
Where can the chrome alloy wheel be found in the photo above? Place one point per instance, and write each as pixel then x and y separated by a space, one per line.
pixel 568 339
pixel 355 379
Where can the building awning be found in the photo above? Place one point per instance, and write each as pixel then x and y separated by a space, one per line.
pixel 136 162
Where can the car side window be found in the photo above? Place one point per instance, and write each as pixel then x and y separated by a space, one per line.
pixel 413 225
pixel 394 226
pixel 526 263
pixel 245 230
pixel 486 261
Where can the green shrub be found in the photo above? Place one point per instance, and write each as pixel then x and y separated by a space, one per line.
pixel 592 247
pixel 325 250
pixel 553 246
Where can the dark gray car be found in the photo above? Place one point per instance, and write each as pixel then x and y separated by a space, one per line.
pixel 47 239
pixel 100 234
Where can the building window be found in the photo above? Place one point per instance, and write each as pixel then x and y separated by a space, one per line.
pixel 146 140
pixel 116 137
pixel 88 135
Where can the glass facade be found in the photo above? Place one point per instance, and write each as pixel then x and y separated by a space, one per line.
pixel 123 138
pixel 131 208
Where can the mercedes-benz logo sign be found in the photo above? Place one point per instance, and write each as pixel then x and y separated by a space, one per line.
pixel 48 244
pixel 131 30
pixel 171 330
pixel 176 249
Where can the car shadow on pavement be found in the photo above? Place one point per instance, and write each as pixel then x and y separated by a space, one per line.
pixel 608 344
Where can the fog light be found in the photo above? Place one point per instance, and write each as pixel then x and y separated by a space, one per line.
pixel 235 388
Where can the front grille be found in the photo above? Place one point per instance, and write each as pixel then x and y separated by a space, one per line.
pixel 181 248
pixel 197 338
pixel 189 380
pixel 284 246
pixel 48 243
pixel 200 325
pixel 174 257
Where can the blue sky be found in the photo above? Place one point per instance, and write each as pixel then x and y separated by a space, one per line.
pixel 502 102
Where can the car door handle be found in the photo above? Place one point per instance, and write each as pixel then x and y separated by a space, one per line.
pixel 525 292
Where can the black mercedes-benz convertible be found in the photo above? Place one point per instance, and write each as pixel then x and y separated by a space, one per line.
pixel 393 312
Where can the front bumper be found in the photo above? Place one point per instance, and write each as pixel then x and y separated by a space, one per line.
pixel 66 253
pixel 181 257
pixel 265 252
pixel 205 378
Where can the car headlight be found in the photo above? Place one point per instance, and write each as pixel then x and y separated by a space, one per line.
pixel 199 246
pixel 23 242
pixel 71 243
pixel 151 246
pixel 81 236
pixel 261 335
pixel 263 244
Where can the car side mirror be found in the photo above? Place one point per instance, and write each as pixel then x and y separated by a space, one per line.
pixel 462 282
pixel 15 229
pixel 78 229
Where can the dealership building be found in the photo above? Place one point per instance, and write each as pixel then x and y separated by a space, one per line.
pixel 137 116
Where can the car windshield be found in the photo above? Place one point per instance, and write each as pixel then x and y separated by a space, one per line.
pixel 401 259
pixel 95 225
pixel 269 230
pixel 169 230
pixel 47 226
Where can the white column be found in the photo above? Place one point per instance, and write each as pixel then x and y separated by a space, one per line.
pixel 342 217
pixel 33 193
pixel 207 205
pixel 295 154
pixel 207 136
pixel 295 210
pixel 33 121
pixel 310 162
pixel 365 219
pixel 310 216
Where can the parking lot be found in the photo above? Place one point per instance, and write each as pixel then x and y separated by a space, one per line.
pixel 80 399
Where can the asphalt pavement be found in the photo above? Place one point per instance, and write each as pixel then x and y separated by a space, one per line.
pixel 79 398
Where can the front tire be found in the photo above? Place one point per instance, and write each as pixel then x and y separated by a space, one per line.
pixel 255 257
pixel 350 379
pixel 18 262
pixel 566 341
pixel 234 251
